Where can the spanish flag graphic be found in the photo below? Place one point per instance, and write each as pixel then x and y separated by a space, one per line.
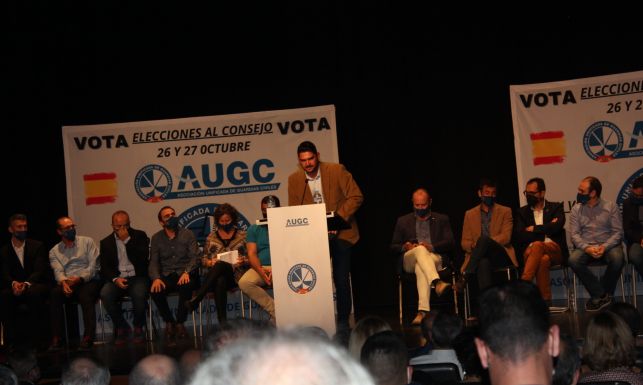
pixel 548 147
pixel 100 188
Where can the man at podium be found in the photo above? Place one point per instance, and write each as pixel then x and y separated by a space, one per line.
pixel 333 185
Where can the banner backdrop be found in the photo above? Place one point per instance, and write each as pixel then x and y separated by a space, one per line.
pixel 567 130
pixel 191 164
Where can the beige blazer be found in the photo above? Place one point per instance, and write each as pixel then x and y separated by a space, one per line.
pixel 500 229
pixel 341 194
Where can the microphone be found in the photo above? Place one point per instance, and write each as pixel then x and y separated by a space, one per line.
pixel 304 194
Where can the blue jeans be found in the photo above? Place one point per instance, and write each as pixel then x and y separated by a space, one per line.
pixel 615 259
pixel 137 289
pixel 340 252
pixel 635 255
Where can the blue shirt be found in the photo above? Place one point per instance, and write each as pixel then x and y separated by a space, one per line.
pixel 601 225
pixel 76 261
pixel 259 235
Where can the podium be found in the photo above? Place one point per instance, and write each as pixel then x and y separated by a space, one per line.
pixel 301 267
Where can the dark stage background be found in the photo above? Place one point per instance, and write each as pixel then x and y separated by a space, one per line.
pixel 422 95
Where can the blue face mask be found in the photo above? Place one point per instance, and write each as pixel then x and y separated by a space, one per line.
pixel 70 235
pixel 20 235
pixel 582 198
pixel 172 223
pixel 422 212
pixel 226 227
pixel 488 201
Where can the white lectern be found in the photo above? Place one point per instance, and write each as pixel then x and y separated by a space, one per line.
pixel 301 267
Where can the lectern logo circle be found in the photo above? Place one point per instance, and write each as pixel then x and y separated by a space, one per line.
pixel 301 278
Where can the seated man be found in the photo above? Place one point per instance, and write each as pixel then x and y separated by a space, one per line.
pixel 124 256
pixel 74 263
pixel 486 237
pixel 633 224
pixel 516 342
pixel 422 238
pixel 173 267
pixel 258 248
pixel 540 235
pixel 25 280
pixel 596 232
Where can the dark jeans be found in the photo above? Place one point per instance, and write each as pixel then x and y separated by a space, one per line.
pixel 137 289
pixel 86 294
pixel 220 278
pixel 487 256
pixel 340 252
pixel 615 259
pixel 185 293
pixel 33 299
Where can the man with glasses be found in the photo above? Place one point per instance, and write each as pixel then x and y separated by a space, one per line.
pixel 173 267
pixel 124 256
pixel 540 235
pixel 73 261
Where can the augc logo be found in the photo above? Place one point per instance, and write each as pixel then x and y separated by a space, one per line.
pixel 302 278
pixel 295 222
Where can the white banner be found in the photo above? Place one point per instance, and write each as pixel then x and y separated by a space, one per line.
pixel 191 164
pixel 567 130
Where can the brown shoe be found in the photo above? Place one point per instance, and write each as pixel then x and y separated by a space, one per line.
pixel 441 287
pixel 181 332
pixel 418 318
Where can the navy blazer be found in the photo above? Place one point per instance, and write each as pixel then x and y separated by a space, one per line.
pixel 36 266
pixel 554 230
pixel 439 227
pixel 138 252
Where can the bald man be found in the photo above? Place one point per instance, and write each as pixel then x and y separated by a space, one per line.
pixel 158 369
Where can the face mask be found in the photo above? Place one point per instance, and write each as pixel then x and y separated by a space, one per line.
pixel 422 212
pixel 227 227
pixel 638 201
pixel 172 223
pixel 489 201
pixel 582 198
pixel 70 234
pixel 20 235
pixel 532 200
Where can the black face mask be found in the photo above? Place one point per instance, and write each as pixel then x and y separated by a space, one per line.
pixel 227 227
pixel 532 200
pixel 172 223
pixel 422 213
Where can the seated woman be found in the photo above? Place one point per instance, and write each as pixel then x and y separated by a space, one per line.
pixel 222 275
pixel 609 351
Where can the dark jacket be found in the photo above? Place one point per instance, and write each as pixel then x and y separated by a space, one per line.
pixel 138 252
pixel 631 222
pixel 554 230
pixel 439 227
pixel 36 269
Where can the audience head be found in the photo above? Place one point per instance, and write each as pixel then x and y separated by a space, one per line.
pixel 155 369
pixel 446 327
pixel 567 368
pixel 608 343
pixel 385 356
pixel 465 349
pixel 514 325
pixel 281 359
pixel 25 364
pixel 363 329
pixel 233 330
pixel 7 376
pixel 85 371
pixel 629 314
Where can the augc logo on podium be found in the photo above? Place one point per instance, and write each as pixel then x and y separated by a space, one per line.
pixel 301 278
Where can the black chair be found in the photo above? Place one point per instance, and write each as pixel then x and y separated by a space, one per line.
pixel 437 373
